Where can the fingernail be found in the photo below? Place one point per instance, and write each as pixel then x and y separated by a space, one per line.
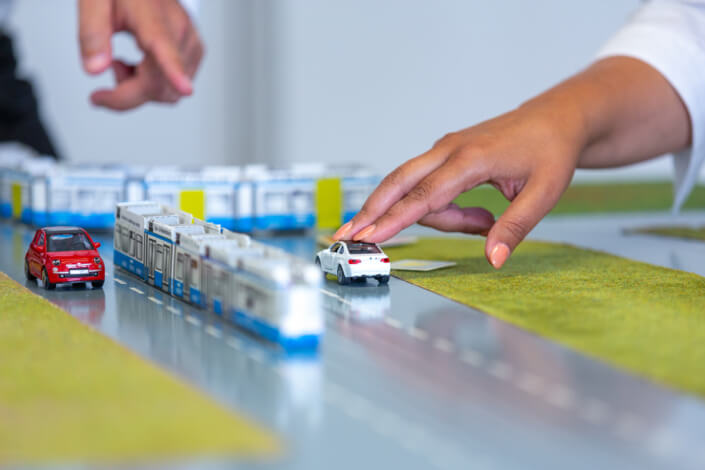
pixel 97 62
pixel 366 232
pixel 342 231
pixel 499 255
pixel 185 85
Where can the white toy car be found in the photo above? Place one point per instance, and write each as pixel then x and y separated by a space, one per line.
pixel 354 260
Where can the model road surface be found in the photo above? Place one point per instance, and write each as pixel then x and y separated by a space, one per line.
pixel 406 378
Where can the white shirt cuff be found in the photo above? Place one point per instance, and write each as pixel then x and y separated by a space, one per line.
pixel 669 37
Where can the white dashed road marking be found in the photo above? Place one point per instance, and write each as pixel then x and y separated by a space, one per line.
pixel 134 289
pixel 664 444
pixel 193 320
pixel 393 322
pixel 594 411
pixel 155 300
pixel 444 345
pixel 472 357
pixel 120 281
pixel 500 370
pixel 213 331
pixel 530 383
pixel 418 333
pixel 234 343
pixel 173 310
pixel 388 424
pixel 560 397
pixel 629 427
pixel 257 356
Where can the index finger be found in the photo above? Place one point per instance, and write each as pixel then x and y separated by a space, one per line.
pixel 154 38
pixel 94 33
pixel 393 187
pixel 431 194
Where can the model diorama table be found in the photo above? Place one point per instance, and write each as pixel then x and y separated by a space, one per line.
pixel 406 378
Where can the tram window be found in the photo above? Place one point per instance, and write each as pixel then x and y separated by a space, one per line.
pixel 118 239
pixel 159 259
pixel 138 243
pixel 179 274
pixel 124 239
pixel 132 245
pixel 60 200
pixel 221 285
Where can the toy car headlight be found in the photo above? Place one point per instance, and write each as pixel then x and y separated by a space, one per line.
pixel 56 262
pixel 96 260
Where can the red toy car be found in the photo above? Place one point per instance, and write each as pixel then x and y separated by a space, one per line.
pixel 64 255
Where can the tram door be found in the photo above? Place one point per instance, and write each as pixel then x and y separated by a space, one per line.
pixel 166 269
pixel 187 277
pixel 150 260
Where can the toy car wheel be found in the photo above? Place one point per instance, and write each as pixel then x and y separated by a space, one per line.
pixel 342 279
pixel 98 284
pixel 27 273
pixel 383 280
pixel 45 280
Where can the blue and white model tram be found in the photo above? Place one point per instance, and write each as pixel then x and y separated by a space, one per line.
pixel 258 287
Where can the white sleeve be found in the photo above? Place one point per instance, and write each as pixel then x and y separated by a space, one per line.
pixel 669 35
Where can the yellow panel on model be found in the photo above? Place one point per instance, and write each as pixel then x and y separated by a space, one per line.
pixel 193 201
pixel 16 200
pixel 329 203
pixel 69 394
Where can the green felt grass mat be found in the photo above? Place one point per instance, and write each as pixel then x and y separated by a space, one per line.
pixel 587 198
pixel 689 233
pixel 644 318
pixel 69 394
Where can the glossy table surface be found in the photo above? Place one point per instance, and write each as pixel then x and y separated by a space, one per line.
pixel 408 379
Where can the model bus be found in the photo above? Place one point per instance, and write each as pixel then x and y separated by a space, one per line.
pixel 40 191
pixel 258 287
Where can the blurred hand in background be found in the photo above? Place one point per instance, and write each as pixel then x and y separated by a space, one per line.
pixel 163 31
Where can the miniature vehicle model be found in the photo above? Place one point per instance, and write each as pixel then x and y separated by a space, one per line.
pixel 258 287
pixel 64 255
pixel 354 260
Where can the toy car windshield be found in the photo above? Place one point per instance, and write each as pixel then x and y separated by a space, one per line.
pixel 68 242
pixel 363 248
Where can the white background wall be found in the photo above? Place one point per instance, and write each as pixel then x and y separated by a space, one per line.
pixel 288 80
pixel 192 132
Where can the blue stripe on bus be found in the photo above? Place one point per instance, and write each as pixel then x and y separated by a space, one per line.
pixel 238 224
pixel 6 210
pixel 195 297
pixel 285 222
pixel 41 219
pixel 26 216
pixel 128 263
pixel 178 289
pixel 158 278
pixel 218 306
pixel 273 334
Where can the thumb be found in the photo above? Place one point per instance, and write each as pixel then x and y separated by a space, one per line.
pixel 535 201
pixel 95 33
